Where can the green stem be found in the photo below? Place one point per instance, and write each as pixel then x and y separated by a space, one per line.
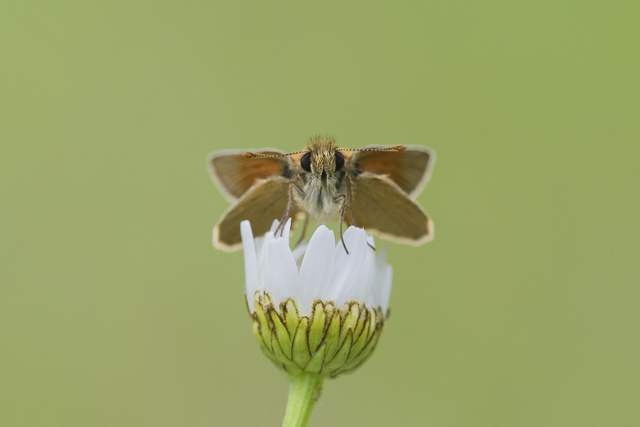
pixel 304 391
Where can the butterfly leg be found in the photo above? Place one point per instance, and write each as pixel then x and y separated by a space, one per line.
pixel 350 197
pixel 287 211
pixel 343 205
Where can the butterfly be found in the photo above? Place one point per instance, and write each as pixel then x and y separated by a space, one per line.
pixel 372 187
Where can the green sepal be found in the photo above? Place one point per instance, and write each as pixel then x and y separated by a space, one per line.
pixel 281 333
pixel 361 333
pixel 291 319
pixel 265 329
pixel 332 337
pixel 318 326
pixel 341 356
pixel 364 354
pixel 363 319
pixel 350 321
pixel 317 360
pixel 258 334
pixel 301 355
pixel 284 362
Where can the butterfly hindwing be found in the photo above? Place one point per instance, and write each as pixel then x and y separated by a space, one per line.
pixel 265 201
pixel 381 207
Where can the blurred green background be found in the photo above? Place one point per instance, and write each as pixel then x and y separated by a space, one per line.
pixel 116 310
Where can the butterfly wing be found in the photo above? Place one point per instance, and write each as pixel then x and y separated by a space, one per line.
pixel 410 169
pixel 234 174
pixel 381 207
pixel 265 201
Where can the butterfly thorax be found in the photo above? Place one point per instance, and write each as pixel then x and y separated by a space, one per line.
pixel 320 199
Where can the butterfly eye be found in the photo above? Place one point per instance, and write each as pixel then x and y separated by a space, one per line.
pixel 339 161
pixel 305 162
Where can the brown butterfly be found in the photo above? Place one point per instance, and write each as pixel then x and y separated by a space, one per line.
pixel 371 187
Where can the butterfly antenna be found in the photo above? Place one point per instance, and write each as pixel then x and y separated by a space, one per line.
pixel 391 148
pixel 250 155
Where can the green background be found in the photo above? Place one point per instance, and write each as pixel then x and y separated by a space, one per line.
pixel 116 310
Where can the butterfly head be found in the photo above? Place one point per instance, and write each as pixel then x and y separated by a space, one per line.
pixel 322 161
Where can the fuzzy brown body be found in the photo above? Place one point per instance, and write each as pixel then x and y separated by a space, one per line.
pixel 319 193
pixel 372 187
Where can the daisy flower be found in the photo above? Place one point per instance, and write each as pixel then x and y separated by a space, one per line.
pixel 317 311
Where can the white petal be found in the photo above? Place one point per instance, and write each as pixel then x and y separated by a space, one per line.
pixel 261 246
pixel 347 267
pixel 317 267
pixel 385 287
pixel 369 297
pixel 364 282
pixel 298 253
pixel 361 285
pixel 250 262
pixel 382 256
pixel 280 270
pixel 286 231
pixel 371 241
pixel 259 241
pixel 322 269
pixel 274 225
pixel 382 284
pixel 373 300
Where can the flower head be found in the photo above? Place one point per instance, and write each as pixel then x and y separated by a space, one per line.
pixel 316 309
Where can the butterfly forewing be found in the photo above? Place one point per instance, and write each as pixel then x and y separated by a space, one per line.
pixel 381 207
pixel 235 174
pixel 410 169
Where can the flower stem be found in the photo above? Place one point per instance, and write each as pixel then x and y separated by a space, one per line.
pixel 304 391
